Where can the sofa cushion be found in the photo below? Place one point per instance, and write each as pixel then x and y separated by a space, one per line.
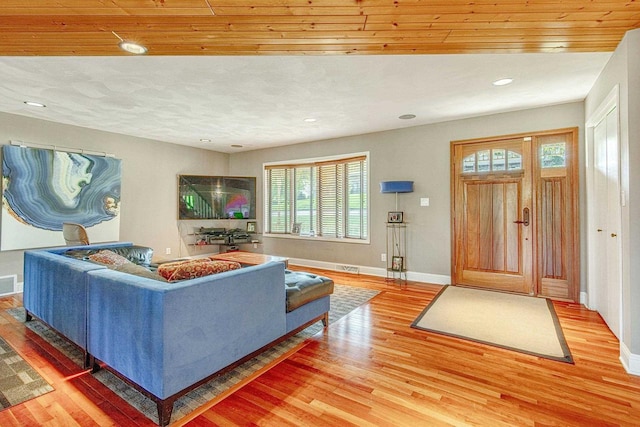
pixel 191 269
pixel 108 257
pixel 138 270
pixel 303 287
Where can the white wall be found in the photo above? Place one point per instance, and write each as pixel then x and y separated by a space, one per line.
pixel 421 154
pixel 633 303
pixel 418 153
pixel 149 184
pixel 623 69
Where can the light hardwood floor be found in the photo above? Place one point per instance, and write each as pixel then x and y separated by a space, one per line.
pixel 371 368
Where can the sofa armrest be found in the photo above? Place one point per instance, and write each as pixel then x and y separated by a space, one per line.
pixel 55 290
pixel 167 336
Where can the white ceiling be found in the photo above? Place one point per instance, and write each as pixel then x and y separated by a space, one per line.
pixel 262 101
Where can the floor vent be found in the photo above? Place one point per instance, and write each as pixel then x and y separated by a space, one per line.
pixel 8 284
pixel 347 268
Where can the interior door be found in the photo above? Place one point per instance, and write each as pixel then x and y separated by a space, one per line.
pixel 606 251
pixel 493 215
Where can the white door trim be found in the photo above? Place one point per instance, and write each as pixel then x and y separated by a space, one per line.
pixel 609 103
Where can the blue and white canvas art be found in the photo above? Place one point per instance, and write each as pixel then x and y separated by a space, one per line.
pixel 44 188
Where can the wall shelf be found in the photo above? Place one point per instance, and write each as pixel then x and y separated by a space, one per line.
pixel 220 237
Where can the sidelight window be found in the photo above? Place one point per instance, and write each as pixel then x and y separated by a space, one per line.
pixel 553 155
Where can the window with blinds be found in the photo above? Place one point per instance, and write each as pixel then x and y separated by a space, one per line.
pixel 320 198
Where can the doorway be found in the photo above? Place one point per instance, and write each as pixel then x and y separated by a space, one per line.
pixel 515 214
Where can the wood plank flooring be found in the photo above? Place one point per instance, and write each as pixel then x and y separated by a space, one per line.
pixel 371 368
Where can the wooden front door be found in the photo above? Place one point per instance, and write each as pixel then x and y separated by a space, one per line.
pixel 514 210
pixel 492 215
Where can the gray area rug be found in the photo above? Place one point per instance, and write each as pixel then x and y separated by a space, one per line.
pixel 344 300
pixel 515 322
pixel 18 380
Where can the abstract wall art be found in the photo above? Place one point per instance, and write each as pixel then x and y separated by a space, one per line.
pixel 42 188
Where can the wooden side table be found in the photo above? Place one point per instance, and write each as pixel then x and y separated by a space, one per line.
pixel 249 258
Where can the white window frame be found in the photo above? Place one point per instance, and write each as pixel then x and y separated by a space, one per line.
pixel 307 161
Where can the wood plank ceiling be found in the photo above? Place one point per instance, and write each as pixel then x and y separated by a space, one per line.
pixel 259 27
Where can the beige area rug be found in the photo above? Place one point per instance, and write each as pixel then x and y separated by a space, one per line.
pixel 515 322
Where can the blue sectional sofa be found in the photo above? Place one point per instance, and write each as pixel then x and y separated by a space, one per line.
pixel 55 290
pixel 165 338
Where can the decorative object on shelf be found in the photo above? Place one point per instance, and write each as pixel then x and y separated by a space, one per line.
pixel 396 187
pixel 394 217
pixel 397 252
pixel 251 226
pixel 295 229
pixel 397 263
pixel 220 236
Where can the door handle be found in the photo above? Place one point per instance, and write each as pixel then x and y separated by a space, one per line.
pixel 525 218
pixel 599 230
pixel 613 234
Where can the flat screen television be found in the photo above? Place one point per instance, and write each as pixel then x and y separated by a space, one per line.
pixel 216 197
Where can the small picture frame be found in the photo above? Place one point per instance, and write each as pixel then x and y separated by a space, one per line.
pixel 295 228
pixel 397 263
pixel 251 226
pixel 394 217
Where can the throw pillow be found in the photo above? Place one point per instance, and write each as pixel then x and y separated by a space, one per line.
pixel 222 266
pixel 108 257
pixel 191 269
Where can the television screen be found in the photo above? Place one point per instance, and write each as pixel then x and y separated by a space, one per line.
pixel 216 197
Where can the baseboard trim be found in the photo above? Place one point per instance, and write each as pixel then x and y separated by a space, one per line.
pixel 584 299
pixel 437 279
pixel 630 361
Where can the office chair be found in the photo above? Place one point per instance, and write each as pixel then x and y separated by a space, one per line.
pixel 74 234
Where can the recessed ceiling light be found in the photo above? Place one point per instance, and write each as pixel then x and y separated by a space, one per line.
pixel 310 120
pixel 236 145
pixel 132 47
pixel 34 104
pixel 129 46
pixel 205 140
pixel 407 116
pixel 503 82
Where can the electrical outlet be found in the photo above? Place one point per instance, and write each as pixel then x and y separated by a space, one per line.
pixel 167 251
pixel 383 257
pixel 424 201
